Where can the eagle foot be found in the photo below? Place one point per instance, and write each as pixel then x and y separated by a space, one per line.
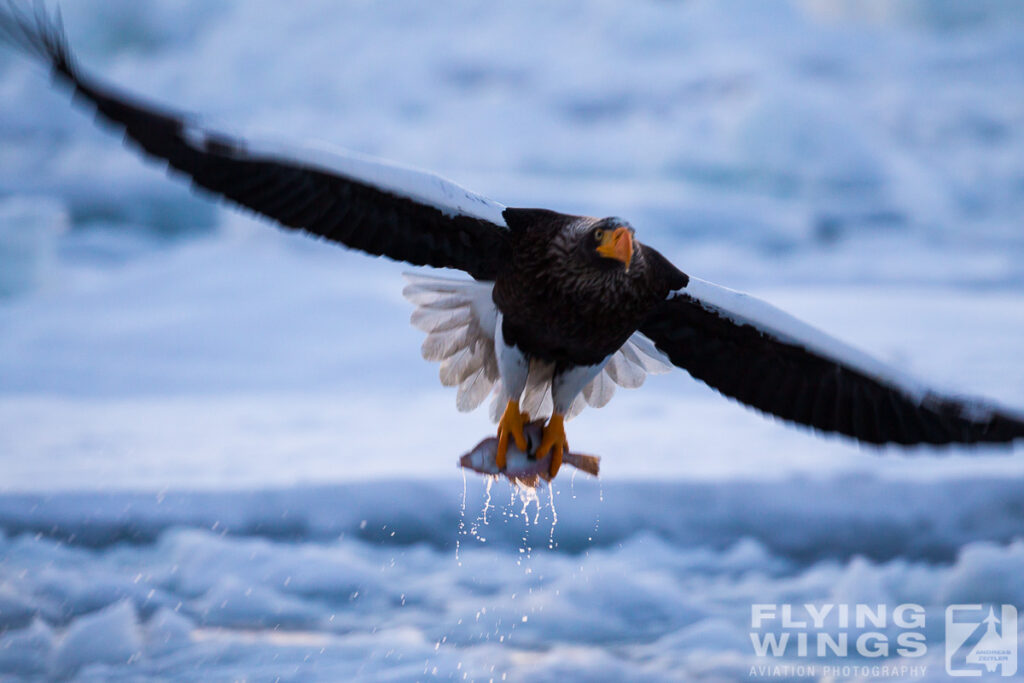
pixel 511 423
pixel 553 440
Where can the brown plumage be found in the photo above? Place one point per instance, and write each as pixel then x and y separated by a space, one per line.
pixel 564 303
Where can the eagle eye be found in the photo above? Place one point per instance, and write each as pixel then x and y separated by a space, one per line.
pixel 598 235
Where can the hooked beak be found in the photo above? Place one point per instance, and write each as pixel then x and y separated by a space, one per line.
pixel 618 244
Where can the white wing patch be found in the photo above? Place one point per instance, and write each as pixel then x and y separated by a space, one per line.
pixel 459 317
pixel 744 309
pixel 420 186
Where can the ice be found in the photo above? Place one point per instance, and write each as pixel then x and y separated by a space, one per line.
pixel 27 651
pixel 222 457
pixel 987 572
pixel 167 631
pixel 107 636
pixel 29 228
pixel 234 603
pixel 207 581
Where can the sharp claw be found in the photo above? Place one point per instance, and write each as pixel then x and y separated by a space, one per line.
pixel 511 423
pixel 556 462
pixel 554 441
pixel 520 437
pixel 501 459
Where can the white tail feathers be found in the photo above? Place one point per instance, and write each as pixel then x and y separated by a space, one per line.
pixel 459 317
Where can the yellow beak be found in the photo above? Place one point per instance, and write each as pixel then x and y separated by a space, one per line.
pixel 618 244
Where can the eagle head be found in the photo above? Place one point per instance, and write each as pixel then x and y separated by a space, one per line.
pixel 611 240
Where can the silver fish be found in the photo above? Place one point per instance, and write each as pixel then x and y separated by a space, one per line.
pixel 522 468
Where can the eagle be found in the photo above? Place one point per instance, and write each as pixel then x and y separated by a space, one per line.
pixel 558 309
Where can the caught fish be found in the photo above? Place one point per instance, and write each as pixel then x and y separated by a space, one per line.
pixel 523 468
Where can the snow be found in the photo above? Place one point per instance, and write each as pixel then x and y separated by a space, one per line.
pixel 326 582
pixel 222 457
pixel 106 636
pixel 29 229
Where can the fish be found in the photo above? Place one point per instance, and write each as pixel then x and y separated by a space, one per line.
pixel 522 468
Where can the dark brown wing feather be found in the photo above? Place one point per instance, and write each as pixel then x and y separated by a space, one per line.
pixel 296 194
pixel 796 384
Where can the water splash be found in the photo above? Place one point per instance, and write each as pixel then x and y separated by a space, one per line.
pixel 527 495
pixel 474 529
pixel 554 515
pixel 597 511
pixel 462 521
pixel 487 500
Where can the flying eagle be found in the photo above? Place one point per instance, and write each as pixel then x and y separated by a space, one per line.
pixel 560 308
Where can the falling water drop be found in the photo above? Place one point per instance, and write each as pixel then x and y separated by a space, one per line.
pixel 462 521
pixel 554 515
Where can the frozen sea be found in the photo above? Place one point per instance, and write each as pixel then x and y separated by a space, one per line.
pixel 222 458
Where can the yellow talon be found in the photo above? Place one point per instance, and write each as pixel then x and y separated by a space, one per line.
pixel 554 441
pixel 511 422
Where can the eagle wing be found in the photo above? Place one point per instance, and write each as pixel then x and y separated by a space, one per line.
pixel 753 352
pixel 378 208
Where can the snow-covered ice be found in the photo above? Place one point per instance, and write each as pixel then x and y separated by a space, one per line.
pixel 222 457
pixel 331 583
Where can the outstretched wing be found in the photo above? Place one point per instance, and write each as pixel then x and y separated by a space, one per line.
pixel 381 209
pixel 761 356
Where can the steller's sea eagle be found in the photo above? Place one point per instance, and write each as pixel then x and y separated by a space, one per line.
pixel 560 308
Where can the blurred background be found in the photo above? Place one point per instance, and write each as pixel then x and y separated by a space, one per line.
pixel 220 448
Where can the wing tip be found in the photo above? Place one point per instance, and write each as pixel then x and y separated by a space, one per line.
pixel 39 34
